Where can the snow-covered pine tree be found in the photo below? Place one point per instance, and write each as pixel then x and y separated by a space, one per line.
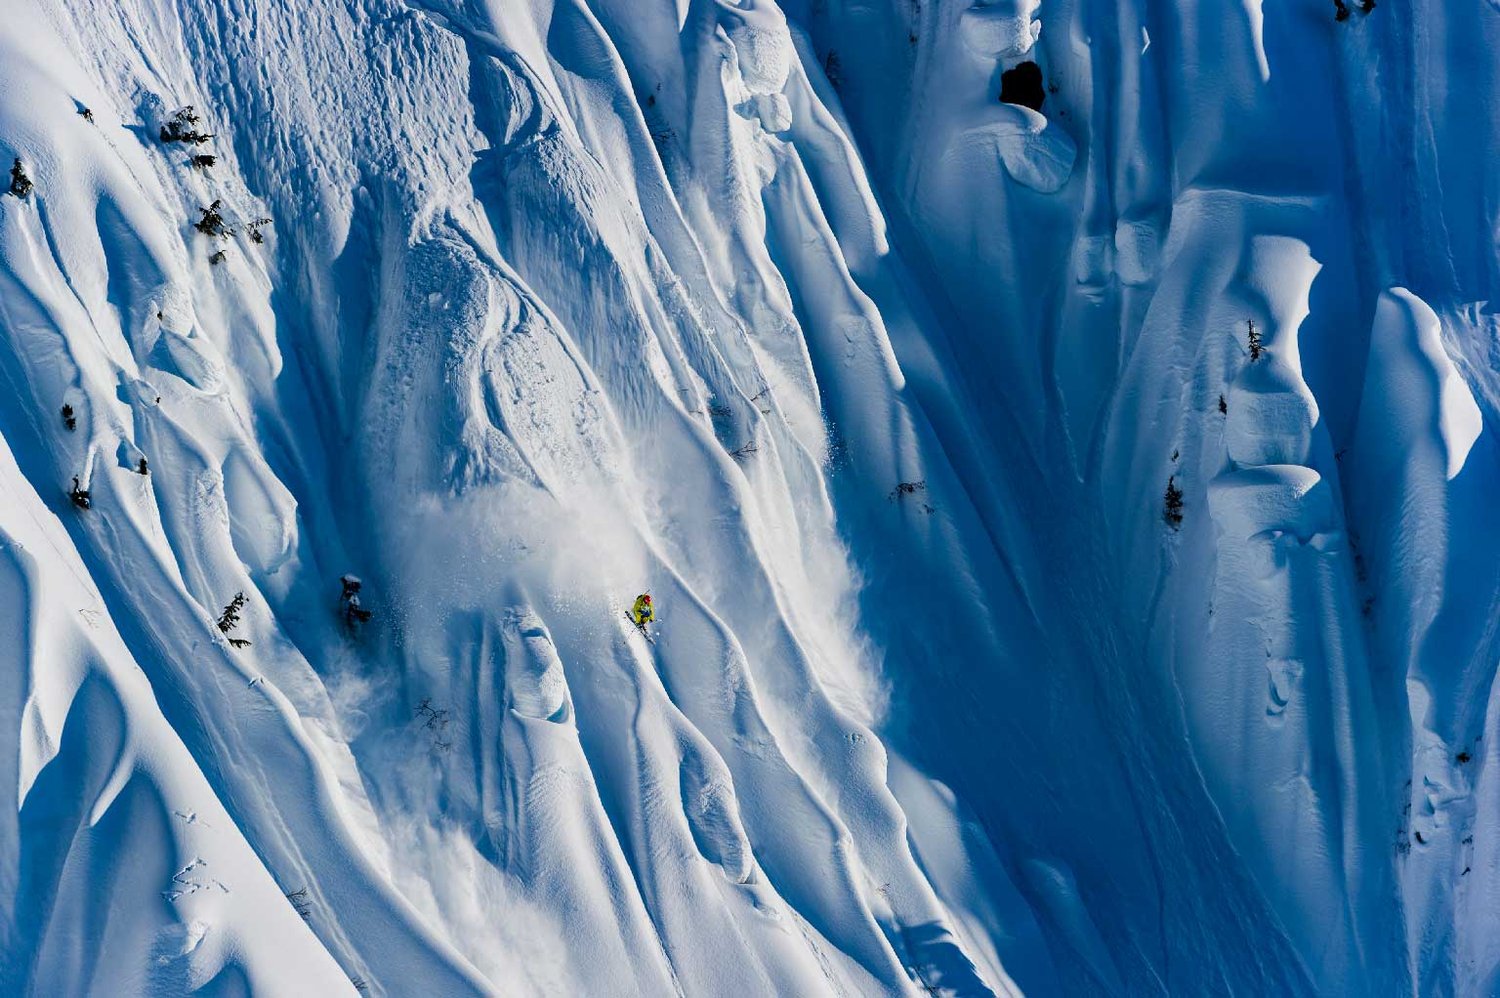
pixel 230 619
pixel 1172 504
pixel 212 222
pixel 354 613
pixel 20 184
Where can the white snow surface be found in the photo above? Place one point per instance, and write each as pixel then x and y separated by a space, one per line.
pixel 874 382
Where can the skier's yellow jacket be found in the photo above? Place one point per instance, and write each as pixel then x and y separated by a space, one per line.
pixel 642 613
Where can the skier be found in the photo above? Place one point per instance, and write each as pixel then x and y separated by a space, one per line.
pixel 642 614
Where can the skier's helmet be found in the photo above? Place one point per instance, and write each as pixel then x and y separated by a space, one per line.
pixel 646 597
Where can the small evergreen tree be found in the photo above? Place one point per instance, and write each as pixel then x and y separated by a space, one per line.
pixel 69 420
pixel 1253 341
pixel 253 229
pixel 203 161
pixel 141 468
pixel 212 223
pixel 1172 504
pixel 300 904
pixel 435 720
pixel 79 495
pixel 354 613
pixel 1223 406
pixel 20 184
pixel 1340 10
pixel 1365 6
pixel 230 619
pixel 86 114
pixel 217 257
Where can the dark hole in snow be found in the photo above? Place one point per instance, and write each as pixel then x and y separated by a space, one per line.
pixel 1023 85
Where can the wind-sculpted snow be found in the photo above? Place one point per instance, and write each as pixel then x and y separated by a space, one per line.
pixel 490 314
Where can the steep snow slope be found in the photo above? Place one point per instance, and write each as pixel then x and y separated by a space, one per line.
pixel 123 870
pixel 875 383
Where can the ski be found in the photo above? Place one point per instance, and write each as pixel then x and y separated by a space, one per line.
pixel 642 628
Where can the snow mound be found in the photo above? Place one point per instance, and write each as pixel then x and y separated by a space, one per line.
pixel 763 57
pixel 1271 415
pixel 1413 390
pixel 1092 260
pixel 1001 29
pixel 773 111
pixel 536 682
pixel 1035 152
pixel 763 49
pixel 714 815
pixel 1274 500
pixel 1137 250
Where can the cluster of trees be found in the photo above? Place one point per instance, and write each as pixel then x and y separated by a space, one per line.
pixel 182 126
pixel 351 608
pixel 212 223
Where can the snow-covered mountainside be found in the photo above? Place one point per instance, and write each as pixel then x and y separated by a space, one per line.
pixel 1072 530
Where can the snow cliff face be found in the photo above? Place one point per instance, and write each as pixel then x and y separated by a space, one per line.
pixel 519 308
